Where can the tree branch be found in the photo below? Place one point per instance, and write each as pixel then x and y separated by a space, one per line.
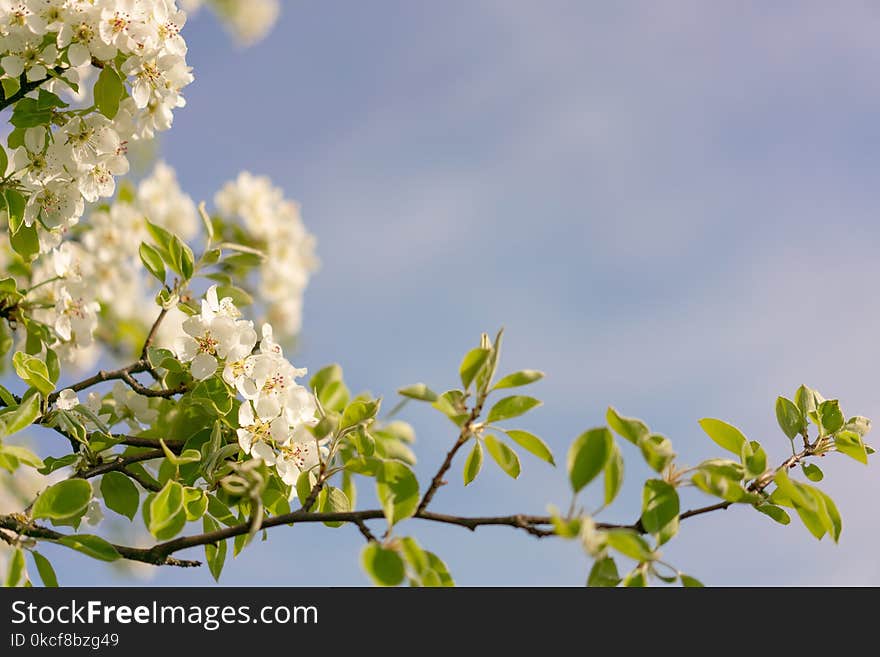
pixel 467 430
pixel 26 87
pixel 152 334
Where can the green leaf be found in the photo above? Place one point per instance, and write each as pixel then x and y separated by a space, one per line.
pixel 120 494
pixel 358 412
pixel 167 513
pixel 44 568
pixel 152 260
pixel 398 491
pixel 754 459
pixel 471 364
pixel 613 475
pixel 690 582
pixel 384 566
pixel 632 429
pixel 660 505
pixel 807 399
pixel 531 443
pixel 604 573
pixel 182 259
pixel 26 242
pixel 452 404
pixel 834 524
pixel 505 457
pixel 850 443
pixel 33 371
pixel 335 501
pixel 94 546
pixel 790 419
pixel 15 571
pixel 473 463
pixel 109 91
pixel 418 391
pixel 812 472
pixel 65 500
pixel 511 407
pixel 304 484
pixel 629 544
pixel 587 456
pixel 830 417
pixel 793 492
pixel 724 434
pixel 22 455
pixel 521 378
pixel 657 451
pixel 215 554
pixel 635 579
pixel 21 416
pixel 772 511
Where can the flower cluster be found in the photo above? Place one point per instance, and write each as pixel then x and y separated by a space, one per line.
pixel 290 249
pixel 100 269
pixel 61 157
pixel 276 411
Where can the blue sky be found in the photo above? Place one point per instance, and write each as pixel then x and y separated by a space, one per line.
pixel 670 208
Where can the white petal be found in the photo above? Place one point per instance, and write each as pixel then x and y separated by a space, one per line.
pixel 203 366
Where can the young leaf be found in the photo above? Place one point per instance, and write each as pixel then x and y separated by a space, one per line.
pixel 44 568
pixel 660 505
pixel 587 456
pixel 812 472
pixel 65 500
pixel 94 546
pixel 632 429
pixel 21 416
pixel 471 364
pixel 108 92
pixel 724 434
pixel 772 511
pixel 398 490
pixel 152 260
pixel 15 571
pixel 850 443
pixel 505 457
pixel 120 494
pixel 384 566
pixel 215 553
pixel 419 391
pixel 690 582
pixel 629 544
pixel 604 573
pixel 167 514
pixel 790 419
pixel 473 463
pixel 511 407
pixel 613 475
pixel 531 443
pixel 521 378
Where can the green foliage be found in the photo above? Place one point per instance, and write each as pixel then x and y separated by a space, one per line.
pixel 384 566
pixel 108 92
pixel 660 505
pixel 505 457
pixel 64 502
pixel 587 456
pixel 93 546
pixel 120 494
pixel 474 463
pixel 724 434
pixel 531 443
pixel 398 491
pixel 511 407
